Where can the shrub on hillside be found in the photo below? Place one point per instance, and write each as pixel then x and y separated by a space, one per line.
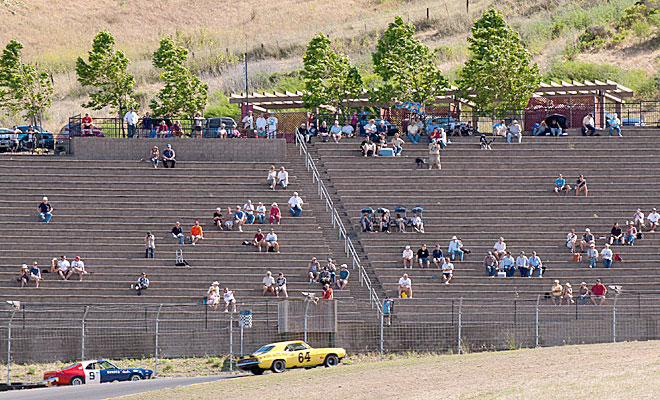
pixel 594 37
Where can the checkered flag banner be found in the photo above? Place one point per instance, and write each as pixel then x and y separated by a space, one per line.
pixel 245 319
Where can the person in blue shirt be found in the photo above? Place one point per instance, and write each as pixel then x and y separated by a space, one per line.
pixel 169 157
pixel 455 249
pixel 561 186
pixel 438 256
pixel 387 310
pixel 366 222
pixel 535 265
pixel 507 264
pixel 239 218
pixel 344 273
pixel 615 124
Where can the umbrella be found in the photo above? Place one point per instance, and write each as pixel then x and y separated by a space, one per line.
pixel 412 106
pixel 560 119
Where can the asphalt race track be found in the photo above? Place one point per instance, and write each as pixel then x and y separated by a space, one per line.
pixel 107 390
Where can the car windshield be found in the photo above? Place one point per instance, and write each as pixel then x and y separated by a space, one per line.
pixel 263 350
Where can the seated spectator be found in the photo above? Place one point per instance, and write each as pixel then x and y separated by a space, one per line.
pixel 405 286
pixel 150 245
pixel 606 255
pixel 592 255
pixel 269 284
pixel 514 131
pixel 639 220
pixel 271 241
pixel 598 292
pixel 567 294
pixel 213 295
pixel 217 218
pixel 25 276
pixel 325 278
pixel 271 179
pixel 313 270
pixel 259 240
pixel 35 273
pixel 522 263
pixel 196 233
pixel 280 287
pixel 177 232
pixel 417 223
pixel 407 257
pixel 78 267
pixel 422 257
pixel 435 134
pixel 401 222
pixel 261 213
pixel 228 296
pixel 235 133
pixel 535 265
pixel 348 129
pixel 283 178
pixel 142 284
pixel 583 294
pixel 154 156
pixel 366 222
pixel 335 130
pixel 561 186
pixel 437 256
pixel 540 129
pixel 64 268
pixel 53 265
pixel 162 130
pixel 397 144
pixel 507 263
pixel 169 157
pixel 490 264
pixel 344 273
pixel 88 125
pixel 581 186
pixel 326 293
pixel 615 125
pixel 555 127
pixel 275 214
pixel 323 132
pixel 222 132
pixel 616 234
pixel 413 133
pixel 443 139
pixel 248 209
pixel 177 130
pixel 653 219
pixel 385 222
pixel 557 291
pixel 455 249
pixel 500 248
pixel 45 210
pixel 571 240
pixel 368 147
pixel 239 218
pixel 447 271
pixel 587 239
pixel 631 234
pixel 499 128
pixel 588 124
pixel 229 219
pixel 295 205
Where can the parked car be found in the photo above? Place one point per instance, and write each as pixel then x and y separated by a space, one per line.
pixel 213 125
pixel 5 139
pixel 44 138
pixel 76 129
pixel 285 355
pixel 446 123
pixel 95 371
pixel 364 119
pixel 624 121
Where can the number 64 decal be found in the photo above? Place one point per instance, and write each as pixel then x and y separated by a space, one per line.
pixel 304 357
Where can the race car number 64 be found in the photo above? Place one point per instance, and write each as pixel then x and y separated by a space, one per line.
pixel 303 357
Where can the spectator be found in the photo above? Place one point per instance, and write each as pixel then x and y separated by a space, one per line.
pixel 370 128
pixel 631 234
pixel 45 210
pixel 259 240
pixel 540 129
pixel 401 222
pixel 417 222
pixel 606 255
pixel 327 293
pixel 325 277
pixel 275 214
pixel 354 121
pixel 588 124
pixel 443 139
pixel 217 218
pixel 514 131
pixel 592 255
pixel 53 265
pixel 222 132
pixel 271 179
pixel 305 133
pixel 407 257
pixel 522 263
pixel 141 284
pixel 162 130
pixel 581 186
pixel 397 144
pixel 447 271
pixel 616 234
pixel 499 128
pixel 177 130
pixel 64 268
pixel 261 213
pixel 150 241
pixel 177 232
pixel 385 222
pixel 555 127
pixel 639 220
pixel 381 129
pixel 583 294
pixel 35 273
pixel 239 218
pixel 147 124
pixel 335 130
pixel 413 133
pixel 196 233
pixel 567 294
pixel 269 284
pixel 261 126
pixel 13 136
pixel 490 263
pixel 313 270
pixel 348 129
pixel 344 273
pixel 368 147
pixel 272 126
pixel 213 295
pixel 283 178
pixel 25 276
pixel 248 209
pixel 405 286
pixel 557 292
pixel 228 296
pixel 88 125
pixel 169 157
pixel 598 292
pixel 387 310
pixel 280 287
pixel 455 248
pixel 248 122
pixel 437 256
pixel 323 132
pixel 229 219
pixel 615 124
pixel 434 154
pixel 78 266
pixel 507 264
pixel 535 264
pixel 154 156
pixel 198 124
pixel 500 248
pixel 571 240
pixel 295 205
pixel 131 119
pixel 31 143
pixel 561 186
pixel 271 241
pixel 422 257
pixel 366 222
pixel 653 218
pixel 587 239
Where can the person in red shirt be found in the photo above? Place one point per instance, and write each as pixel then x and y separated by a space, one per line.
pixel 162 130
pixel 196 233
pixel 598 292
pixel 275 214
pixel 259 240
pixel 327 292
pixel 87 125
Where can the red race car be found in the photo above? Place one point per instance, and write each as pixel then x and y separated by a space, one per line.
pixel 95 371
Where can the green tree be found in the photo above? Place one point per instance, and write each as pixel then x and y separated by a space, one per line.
pixel 105 71
pixel 499 73
pixel 183 93
pixel 328 76
pixel 406 66
pixel 23 87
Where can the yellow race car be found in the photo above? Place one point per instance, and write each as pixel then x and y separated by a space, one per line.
pixel 293 354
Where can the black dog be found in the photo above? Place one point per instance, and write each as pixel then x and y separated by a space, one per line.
pixel 420 162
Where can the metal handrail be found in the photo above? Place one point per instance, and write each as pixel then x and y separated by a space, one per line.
pixel 337 223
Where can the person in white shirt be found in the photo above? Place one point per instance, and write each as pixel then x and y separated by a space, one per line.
pixel 639 219
pixel 198 124
pixel 248 209
pixel 571 240
pixel 405 286
pixel 131 119
pixel 213 295
pixel 348 129
pixel 64 268
pixel 500 248
pixel 588 124
pixel 407 257
pixel 229 299
pixel 283 178
pixel 514 131
pixel 370 128
pixel 261 126
pixel 653 218
pixel 295 205
pixel 261 213
pixel 78 266
pixel 269 284
pixel 615 124
pixel 222 132
pixel 522 263
pixel 447 271
pixel 336 132
pixel 272 127
pixel 606 255
pixel 271 178
pixel 248 122
pixel 271 241
pixel 397 144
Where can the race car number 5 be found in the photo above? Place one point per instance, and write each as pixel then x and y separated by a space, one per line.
pixel 303 357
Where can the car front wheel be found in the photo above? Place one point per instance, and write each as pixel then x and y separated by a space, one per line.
pixel 135 377
pixel 331 360
pixel 77 380
pixel 278 366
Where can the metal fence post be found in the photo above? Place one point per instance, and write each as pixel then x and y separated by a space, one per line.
pixel 381 336
pixel 536 324
pixel 231 341
pixel 156 341
pixel 9 346
pixel 305 321
pixel 82 336
pixel 614 320
pixel 460 323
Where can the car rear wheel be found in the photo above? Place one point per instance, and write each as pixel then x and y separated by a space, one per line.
pixel 331 360
pixel 257 371
pixel 278 366
pixel 77 380
pixel 135 377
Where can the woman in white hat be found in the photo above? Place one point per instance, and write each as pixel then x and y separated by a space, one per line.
pixel 213 295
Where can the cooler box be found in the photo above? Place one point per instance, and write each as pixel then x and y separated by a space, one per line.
pixel 386 153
